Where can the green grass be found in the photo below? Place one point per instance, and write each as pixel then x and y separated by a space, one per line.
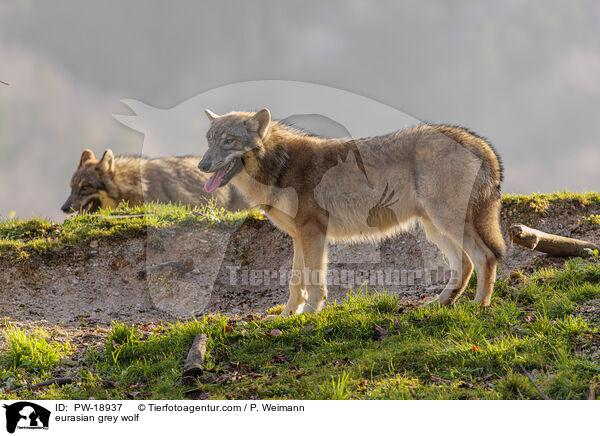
pixel 368 347
pixel 20 238
pixel 591 222
pixel 539 203
pixel 29 357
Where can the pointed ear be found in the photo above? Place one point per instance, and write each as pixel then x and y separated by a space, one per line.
pixel 260 122
pixel 85 156
pixel 107 163
pixel 211 115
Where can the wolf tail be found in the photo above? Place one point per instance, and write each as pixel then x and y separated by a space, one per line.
pixel 486 220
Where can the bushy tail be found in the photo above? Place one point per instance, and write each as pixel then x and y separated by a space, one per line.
pixel 486 219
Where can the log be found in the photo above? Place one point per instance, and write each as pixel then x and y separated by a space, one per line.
pixel 195 358
pixel 554 245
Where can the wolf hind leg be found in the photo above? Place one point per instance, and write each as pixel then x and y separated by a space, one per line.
pixel 485 264
pixel 298 295
pixel 461 266
pixel 314 250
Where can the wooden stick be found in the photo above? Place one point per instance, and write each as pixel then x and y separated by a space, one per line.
pixel 535 385
pixel 193 364
pixel 61 381
pixel 555 245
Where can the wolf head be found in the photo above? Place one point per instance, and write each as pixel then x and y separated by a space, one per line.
pixel 230 138
pixel 91 185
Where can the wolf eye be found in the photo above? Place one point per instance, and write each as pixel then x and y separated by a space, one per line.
pixel 228 141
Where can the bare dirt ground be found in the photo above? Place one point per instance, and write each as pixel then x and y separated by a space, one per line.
pixel 77 291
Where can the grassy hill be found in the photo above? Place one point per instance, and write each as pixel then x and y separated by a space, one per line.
pixel 539 338
pixel 21 238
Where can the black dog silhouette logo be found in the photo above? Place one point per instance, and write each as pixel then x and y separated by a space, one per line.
pixel 26 415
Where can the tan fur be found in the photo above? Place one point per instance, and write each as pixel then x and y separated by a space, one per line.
pixel 106 182
pixel 346 189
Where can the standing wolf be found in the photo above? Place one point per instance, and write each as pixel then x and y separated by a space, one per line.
pixel 365 189
pixel 111 180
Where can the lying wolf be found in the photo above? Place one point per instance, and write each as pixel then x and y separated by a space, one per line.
pixel 111 180
pixel 446 177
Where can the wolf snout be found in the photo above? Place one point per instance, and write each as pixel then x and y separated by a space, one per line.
pixel 204 165
pixel 66 208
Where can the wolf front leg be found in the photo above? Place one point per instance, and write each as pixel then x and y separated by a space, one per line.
pixel 297 298
pixel 314 250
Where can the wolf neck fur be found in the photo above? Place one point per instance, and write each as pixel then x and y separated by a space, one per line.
pixel 127 183
pixel 267 163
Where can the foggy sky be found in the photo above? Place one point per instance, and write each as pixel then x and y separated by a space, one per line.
pixel 523 74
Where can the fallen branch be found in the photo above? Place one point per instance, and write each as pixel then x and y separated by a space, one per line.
pixel 535 385
pixel 195 358
pixel 555 245
pixel 61 381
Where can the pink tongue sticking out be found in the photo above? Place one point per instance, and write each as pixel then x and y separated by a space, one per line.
pixel 215 180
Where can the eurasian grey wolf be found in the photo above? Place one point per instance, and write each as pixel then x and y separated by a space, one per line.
pixel 111 180
pixel 446 177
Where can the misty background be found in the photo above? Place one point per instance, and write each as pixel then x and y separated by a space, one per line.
pixel 525 74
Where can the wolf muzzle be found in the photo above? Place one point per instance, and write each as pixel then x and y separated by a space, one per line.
pixel 66 208
pixel 204 165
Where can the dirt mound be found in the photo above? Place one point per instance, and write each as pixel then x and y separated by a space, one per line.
pixel 238 271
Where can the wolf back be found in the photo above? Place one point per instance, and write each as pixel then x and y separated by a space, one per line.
pixel 111 180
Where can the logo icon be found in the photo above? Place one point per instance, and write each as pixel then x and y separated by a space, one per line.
pixel 26 415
